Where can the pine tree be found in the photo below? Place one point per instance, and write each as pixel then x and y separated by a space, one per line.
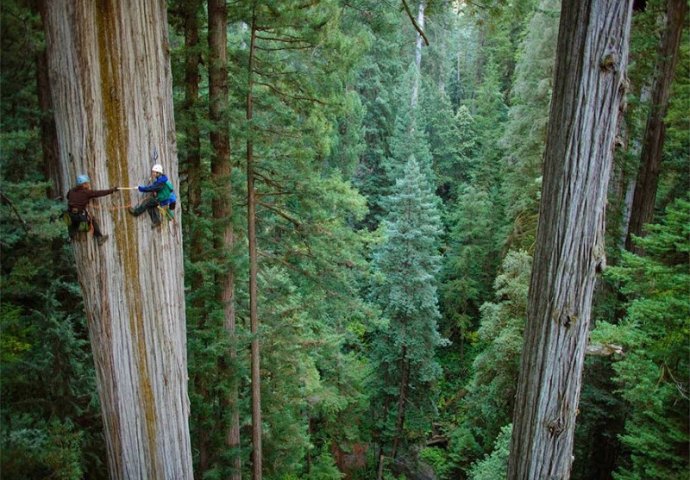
pixel 403 351
pixel 379 75
pixel 307 255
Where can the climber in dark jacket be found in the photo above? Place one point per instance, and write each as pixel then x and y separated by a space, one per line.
pixel 162 195
pixel 78 199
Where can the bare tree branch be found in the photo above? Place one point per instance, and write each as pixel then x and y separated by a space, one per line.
pixel 414 22
pixel 286 95
pixel 6 199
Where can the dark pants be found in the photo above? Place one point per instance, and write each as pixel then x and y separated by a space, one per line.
pixel 150 204
pixel 77 219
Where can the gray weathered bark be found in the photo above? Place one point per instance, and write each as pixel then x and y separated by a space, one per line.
pixel 111 88
pixel 589 84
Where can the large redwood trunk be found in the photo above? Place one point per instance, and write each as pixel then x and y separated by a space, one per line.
pixel 112 95
pixel 591 60
pixel 642 211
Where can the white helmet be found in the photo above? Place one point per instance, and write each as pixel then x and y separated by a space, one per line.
pixel 158 168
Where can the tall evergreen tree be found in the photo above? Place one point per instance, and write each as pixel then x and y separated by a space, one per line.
pixel 306 251
pixel 403 351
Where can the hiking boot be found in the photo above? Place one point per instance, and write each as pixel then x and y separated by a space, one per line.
pixel 101 240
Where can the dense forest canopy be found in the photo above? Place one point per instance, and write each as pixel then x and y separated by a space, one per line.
pixel 358 187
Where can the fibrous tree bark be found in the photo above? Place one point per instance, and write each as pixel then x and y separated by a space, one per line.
pixel 642 211
pixel 589 85
pixel 222 202
pixel 111 87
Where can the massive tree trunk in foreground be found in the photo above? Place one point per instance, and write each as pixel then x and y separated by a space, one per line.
pixel 112 95
pixel 642 211
pixel 589 81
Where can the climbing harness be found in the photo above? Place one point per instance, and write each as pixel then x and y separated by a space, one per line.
pixel 82 217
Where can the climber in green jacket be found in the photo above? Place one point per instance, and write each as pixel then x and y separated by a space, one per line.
pixel 162 195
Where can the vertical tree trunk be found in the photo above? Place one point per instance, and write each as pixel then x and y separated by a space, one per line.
pixel 257 454
pixel 112 95
pixel 49 141
pixel 591 60
pixel 418 57
pixel 191 97
pixel 402 400
pixel 222 204
pixel 192 164
pixel 653 143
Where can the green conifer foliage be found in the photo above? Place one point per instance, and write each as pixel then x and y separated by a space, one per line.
pixel 525 131
pixel 488 402
pixel 409 137
pixel 444 140
pixel 494 465
pixel 309 256
pixel 490 113
pixel 404 287
pixel 472 258
pixel 653 373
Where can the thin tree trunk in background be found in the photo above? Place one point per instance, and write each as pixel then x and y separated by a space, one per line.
pixel 111 88
pixel 221 169
pixel 653 143
pixel 191 97
pixel 418 57
pixel 257 454
pixel 49 141
pixel 192 164
pixel 591 61
pixel 402 399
